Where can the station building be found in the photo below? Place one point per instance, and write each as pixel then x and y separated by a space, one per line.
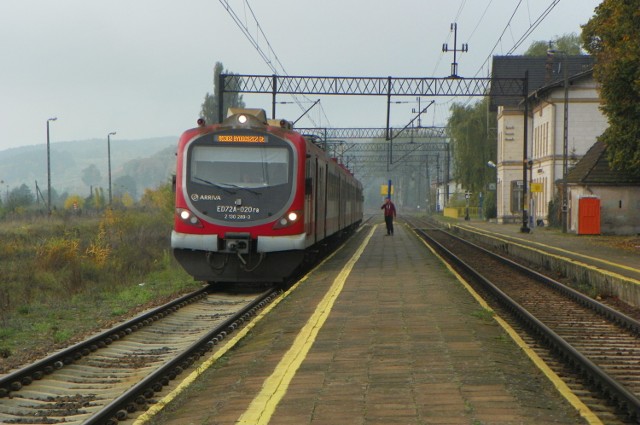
pixel 547 131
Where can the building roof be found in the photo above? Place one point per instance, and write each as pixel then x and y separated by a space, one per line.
pixel 543 71
pixel 560 83
pixel 594 169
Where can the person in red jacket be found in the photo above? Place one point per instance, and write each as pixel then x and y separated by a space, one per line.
pixel 389 215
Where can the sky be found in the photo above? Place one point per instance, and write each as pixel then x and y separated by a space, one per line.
pixel 141 68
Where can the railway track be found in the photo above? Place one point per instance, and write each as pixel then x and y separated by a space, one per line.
pixel 116 374
pixel 594 348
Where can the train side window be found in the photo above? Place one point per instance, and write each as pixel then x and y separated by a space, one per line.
pixel 308 186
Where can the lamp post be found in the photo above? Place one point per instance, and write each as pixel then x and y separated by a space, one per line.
pixel 49 167
pixel 109 160
pixel 525 153
pixel 532 202
pixel 494 186
pixel 565 147
pixel 565 138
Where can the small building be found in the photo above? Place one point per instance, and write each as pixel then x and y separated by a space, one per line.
pixel 564 121
pixel 546 128
pixel 618 192
pixel 551 140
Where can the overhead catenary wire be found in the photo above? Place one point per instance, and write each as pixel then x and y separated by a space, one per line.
pixel 275 65
pixel 255 33
pixel 532 26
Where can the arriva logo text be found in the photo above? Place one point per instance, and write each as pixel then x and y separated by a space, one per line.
pixel 195 197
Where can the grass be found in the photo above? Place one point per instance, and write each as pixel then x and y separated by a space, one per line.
pixel 62 278
pixel 483 314
pixel 56 319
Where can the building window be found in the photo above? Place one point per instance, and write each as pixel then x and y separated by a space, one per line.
pixel 516 196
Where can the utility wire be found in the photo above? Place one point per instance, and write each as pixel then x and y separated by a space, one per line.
pixel 501 35
pixel 533 26
pixel 522 39
pixel 524 36
pixel 266 55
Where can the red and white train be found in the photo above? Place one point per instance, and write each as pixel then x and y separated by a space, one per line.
pixel 254 197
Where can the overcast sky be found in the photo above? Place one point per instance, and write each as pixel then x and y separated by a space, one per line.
pixel 142 67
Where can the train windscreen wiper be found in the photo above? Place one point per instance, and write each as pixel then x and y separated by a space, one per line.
pixel 235 186
pixel 225 188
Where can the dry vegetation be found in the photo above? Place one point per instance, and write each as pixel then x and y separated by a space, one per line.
pixel 64 277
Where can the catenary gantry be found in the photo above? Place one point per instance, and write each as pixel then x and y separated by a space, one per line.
pixel 382 86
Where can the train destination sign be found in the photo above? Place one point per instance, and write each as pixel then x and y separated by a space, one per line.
pixel 240 138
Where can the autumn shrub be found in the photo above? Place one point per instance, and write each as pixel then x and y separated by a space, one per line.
pixel 62 255
pixel 57 252
pixel 67 273
pixel 136 240
pixel 99 250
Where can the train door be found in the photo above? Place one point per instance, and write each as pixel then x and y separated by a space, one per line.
pixel 349 204
pixel 341 199
pixel 309 210
pixel 321 201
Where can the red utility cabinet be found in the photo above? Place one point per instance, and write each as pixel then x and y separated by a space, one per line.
pixel 589 216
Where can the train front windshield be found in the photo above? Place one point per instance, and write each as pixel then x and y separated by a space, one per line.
pixel 240 183
pixel 253 167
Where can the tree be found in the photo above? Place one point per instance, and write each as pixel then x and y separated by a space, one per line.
pixel 209 108
pixel 473 145
pixel 567 43
pixel 97 199
pixel 91 176
pixel 74 202
pixel 160 199
pixel 125 184
pixel 612 35
pixel 151 171
pixel 20 197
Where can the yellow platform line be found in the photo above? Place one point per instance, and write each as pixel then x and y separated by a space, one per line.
pixel 165 401
pixel 511 240
pixel 557 382
pixel 275 386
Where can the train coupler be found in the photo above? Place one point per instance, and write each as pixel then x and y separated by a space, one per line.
pixel 238 243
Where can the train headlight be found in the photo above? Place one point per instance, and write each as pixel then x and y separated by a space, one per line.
pixel 188 217
pixel 242 119
pixel 287 220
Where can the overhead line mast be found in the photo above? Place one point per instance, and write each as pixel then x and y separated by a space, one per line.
pixel 455 50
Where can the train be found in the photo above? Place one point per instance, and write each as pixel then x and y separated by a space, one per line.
pixel 255 200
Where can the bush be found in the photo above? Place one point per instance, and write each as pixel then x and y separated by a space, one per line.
pixel 57 269
pixel 554 217
pixel 491 208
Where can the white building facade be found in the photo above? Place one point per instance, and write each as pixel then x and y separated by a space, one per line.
pixel 545 144
pixel 585 123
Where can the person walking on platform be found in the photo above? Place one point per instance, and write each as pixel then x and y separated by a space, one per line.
pixel 389 215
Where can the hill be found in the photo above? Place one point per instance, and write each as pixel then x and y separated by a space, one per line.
pixel 79 165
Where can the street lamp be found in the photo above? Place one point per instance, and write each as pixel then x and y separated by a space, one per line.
pixel 49 167
pixel 109 159
pixel 565 138
pixel 525 153
pixel 565 147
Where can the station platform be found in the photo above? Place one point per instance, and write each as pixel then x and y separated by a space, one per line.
pixel 608 264
pixel 381 333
